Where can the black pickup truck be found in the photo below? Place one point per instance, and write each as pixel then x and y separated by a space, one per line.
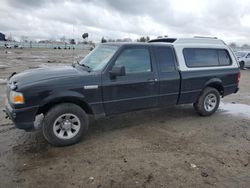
pixel 121 77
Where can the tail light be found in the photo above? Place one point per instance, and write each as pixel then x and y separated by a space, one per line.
pixel 238 77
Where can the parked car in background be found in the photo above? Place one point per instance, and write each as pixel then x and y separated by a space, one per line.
pixel 7 46
pixel 243 58
pixel 18 46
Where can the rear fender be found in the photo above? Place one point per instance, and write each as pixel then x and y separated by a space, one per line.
pixel 215 83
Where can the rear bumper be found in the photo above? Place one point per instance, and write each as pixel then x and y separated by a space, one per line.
pixel 23 118
pixel 230 89
pixel 236 90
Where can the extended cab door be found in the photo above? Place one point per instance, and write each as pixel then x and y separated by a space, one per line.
pixel 169 76
pixel 137 89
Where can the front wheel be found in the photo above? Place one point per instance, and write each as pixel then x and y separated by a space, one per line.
pixel 208 102
pixel 65 124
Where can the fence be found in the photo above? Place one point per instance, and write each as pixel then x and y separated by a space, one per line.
pixel 241 49
pixel 62 46
pixel 44 45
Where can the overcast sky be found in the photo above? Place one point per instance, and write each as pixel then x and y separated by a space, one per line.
pixel 52 19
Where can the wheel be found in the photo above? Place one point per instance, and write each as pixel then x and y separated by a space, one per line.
pixel 65 124
pixel 242 65
pixel 208 102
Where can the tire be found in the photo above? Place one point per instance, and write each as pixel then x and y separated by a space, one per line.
pixel 208 102
pixel 242 65
pixel 65 124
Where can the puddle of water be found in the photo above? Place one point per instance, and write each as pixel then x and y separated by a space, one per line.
pixel 236 109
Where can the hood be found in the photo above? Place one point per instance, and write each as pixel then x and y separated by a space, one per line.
pixel 43 74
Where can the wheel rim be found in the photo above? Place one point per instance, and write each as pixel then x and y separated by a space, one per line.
pixel 66 126
pixel 210 102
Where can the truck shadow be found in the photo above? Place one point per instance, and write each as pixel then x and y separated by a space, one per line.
pixel 34 151
pixel 35 143
pixel 132 119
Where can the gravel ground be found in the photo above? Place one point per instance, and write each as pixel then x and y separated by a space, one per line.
pixel 153 148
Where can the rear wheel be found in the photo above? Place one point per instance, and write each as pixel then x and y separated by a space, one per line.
pixel 208 102
pixel 65 124
pixel 242 65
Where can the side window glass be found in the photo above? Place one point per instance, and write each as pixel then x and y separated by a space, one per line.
pixel 248 55
pixel 201 57
pixel 198 57
pixel 135 60
pixel 224 57
pixel 166 59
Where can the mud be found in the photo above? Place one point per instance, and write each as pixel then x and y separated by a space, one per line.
pixel 153 148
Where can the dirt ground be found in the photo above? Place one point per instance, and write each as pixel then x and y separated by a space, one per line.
pixel 153 148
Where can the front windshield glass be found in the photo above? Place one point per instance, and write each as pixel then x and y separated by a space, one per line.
pixel 240 54
pixel 99 57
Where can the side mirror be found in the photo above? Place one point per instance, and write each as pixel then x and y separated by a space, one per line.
pixel 117 71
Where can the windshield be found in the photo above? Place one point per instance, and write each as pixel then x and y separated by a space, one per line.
pixel 240 54
pixel 99 57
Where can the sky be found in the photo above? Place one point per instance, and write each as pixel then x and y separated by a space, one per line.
pixel 52 19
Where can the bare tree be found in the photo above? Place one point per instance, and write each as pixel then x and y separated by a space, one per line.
pixel 233 45
pixel 111 40
pixel 143 39
pixel 103 40
pixel 85 35
pixel 72 41
pixel 245 46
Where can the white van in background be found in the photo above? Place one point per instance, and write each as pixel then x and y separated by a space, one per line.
pixel 243 58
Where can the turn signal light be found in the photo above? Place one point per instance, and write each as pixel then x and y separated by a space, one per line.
pixel 16 97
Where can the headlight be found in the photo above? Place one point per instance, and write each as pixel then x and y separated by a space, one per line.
pixel 16 97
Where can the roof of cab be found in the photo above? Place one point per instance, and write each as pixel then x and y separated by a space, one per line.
pixel 172 42
pixel 136 44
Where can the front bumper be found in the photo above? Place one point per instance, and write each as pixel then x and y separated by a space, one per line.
pixel 23 118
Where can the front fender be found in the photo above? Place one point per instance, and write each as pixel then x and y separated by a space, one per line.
pixel 57 96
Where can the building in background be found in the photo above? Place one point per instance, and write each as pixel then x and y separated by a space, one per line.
pixel 2 37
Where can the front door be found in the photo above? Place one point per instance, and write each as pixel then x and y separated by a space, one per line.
pixel 138 89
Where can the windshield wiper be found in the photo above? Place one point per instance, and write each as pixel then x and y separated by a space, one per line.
pixel 82 65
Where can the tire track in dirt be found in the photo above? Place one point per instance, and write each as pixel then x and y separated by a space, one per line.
pixel 7 129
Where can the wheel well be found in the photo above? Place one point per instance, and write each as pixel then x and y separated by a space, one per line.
pixel 217 86
pixel 48 106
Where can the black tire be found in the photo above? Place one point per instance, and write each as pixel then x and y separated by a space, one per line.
pixel 201 107
pixel 51 117
pixel 242 65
